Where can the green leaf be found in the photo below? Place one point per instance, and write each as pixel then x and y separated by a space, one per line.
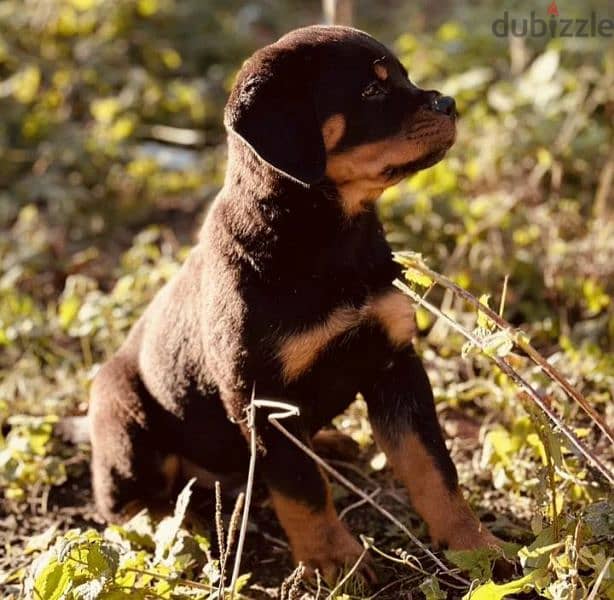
pixel 493 591
pixel 416 277
pixel 102 560
pixel 484 322
pixel 476 563
pixel 537 555
pixel 168 528
pixel 498 344
pixel 90 590
pixel 431 590
pixel 242 581
pixel 469 349
pixel 68 310
pixel 138 532
pixel 53 581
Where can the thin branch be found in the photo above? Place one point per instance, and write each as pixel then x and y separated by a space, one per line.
pixel 520 340
pixel 503 364
pixel 251 423
pixel 349 574
pixel 358 503
pixel 599 579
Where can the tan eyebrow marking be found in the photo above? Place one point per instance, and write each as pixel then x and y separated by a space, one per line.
pixel 381 71
pixel 333 130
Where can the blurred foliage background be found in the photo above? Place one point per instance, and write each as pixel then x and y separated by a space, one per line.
pixel 112 146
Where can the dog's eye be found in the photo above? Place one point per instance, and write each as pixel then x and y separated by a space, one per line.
pixel 373 90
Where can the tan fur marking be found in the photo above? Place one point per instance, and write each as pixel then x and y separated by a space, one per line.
pixel 317 537
pixel 298 352
pixel 391 309
pixel 359 171
pixel 447 514
pixel 380 71
pixel 333 130
pixel 395 313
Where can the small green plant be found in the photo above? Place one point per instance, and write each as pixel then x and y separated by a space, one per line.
pixel 30 457
pixel 136 560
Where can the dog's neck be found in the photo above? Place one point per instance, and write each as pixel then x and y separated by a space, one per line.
pixel 271 194
pixel 260 183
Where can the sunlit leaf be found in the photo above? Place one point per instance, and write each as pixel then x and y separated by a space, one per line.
pixel 494 591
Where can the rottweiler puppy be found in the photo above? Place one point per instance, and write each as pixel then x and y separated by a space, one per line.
pixel 289 288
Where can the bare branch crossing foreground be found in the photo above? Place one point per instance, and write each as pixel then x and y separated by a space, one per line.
pixel 413 263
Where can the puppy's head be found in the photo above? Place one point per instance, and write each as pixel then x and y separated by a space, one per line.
pixel 332 104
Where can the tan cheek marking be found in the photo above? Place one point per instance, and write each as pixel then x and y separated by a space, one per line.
pixel 449 518
pixel 381 71
pixel 357 172
pixel 395 313
pixel 299 351
pixel 333 130
pixel 356 196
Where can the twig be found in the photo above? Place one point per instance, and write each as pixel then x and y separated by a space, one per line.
pixel 251 423
pixel 503 295
pixel 404 560
pixel 599 579
pixel 186 582
pixel 349 574
pixel 519 340
pixel 503 364
pixel 358 503
pixel 221 538
pixel 290 410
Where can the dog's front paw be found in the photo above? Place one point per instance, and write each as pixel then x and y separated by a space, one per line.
pixel 332 551
pixel 470 535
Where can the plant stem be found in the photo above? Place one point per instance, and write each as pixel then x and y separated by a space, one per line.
pixel 503 364
pixel 251 423
pixel 522 343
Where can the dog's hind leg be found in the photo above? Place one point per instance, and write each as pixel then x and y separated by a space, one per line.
pixel 130 469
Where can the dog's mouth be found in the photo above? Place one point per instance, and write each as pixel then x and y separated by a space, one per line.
pixel 396 172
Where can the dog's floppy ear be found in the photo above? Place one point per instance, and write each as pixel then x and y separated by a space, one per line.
pixel 273 110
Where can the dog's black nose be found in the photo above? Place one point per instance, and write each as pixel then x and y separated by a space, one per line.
pixel 444 104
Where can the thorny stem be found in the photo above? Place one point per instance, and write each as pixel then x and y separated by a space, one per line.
pixel 519 340
pixel 404 561
pixel 504 365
